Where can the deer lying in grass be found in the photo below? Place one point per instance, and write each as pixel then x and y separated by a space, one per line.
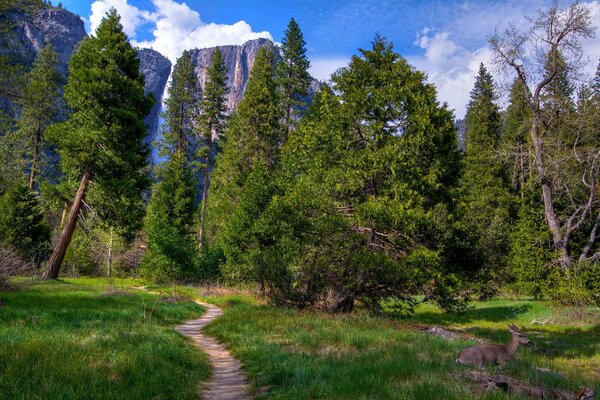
pixel 478 356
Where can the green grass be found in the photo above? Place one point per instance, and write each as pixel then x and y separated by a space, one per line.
pixel 73 339
pixel 76 339
pixel 309 355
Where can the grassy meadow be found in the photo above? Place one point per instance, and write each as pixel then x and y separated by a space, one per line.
pixel 81 339
pixel 292 354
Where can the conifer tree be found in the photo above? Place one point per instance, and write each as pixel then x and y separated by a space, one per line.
pixel 293 76
pixel 252 140
pixel 170 254
pixel 212 123
pixel 515 138
pixel 596 83
pixel 39 105
pixel 102 141
pixel 181 109
pixel 23 224
pixel 487 200
pixel 169 220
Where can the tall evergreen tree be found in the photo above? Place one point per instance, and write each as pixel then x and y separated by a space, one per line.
pixel 252 140
pixel 102 141
pixel 515 142
pixel 181 109
pixel 39 105
pixel 211 125
pixel 486 198
pixel 169 221
pixel 23 224
pixel 293 76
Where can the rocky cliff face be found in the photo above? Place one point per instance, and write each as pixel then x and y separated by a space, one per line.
pixel 34 28
pixel 156 69
pixel 238 60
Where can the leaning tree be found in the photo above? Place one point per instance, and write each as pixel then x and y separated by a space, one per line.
pixel 102 142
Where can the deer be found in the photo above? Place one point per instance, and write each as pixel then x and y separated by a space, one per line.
pixel 485 354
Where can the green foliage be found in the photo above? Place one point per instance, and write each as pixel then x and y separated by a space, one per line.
pixel 350 216
pixel 22 223
pixel 515 140
pixel 530 253
pixel 485 201
pixel 212 116
pixel 252 139
pixel 181 108
pixel 39 106
pixel 104 134
pixel 292 72
pixel 103 139
pixel 171 254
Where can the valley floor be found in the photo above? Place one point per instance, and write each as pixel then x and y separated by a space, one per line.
pixel 77 339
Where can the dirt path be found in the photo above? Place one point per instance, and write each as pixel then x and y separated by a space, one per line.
pixel 228 381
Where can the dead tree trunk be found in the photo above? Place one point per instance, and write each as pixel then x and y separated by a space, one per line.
pixel 60 249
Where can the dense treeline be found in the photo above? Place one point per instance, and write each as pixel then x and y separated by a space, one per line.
pixel 360 194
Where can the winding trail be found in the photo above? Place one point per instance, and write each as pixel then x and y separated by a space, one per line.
pixel 228 381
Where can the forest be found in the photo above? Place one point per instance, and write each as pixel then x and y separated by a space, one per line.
pixel 367 197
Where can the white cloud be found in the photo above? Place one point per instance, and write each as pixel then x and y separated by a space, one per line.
pixel 322 67
pixel 450 67
pixel 175 27
pixel 131 17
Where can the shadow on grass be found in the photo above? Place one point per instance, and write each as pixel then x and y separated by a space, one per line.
pixel 489 314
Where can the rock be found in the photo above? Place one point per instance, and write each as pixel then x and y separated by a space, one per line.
pixel 239 61
pixel 156 69
pixel 439 331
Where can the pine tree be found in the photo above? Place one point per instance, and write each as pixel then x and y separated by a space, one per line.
pixel 293 76
pixel 170 254
pixel 596 83
pixel 23 224
pixel 515 138
pixel 487 201
pixel 252 139
pixel 181 109
pixel 102 141
pixel 212 123
pixel 39 105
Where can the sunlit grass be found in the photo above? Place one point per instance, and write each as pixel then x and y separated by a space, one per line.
pixel 75 339
pixel 292 354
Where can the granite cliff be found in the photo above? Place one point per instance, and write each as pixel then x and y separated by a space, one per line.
pixel 239 61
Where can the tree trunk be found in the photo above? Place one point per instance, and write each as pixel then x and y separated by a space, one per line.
pixel 201 232
pixel 60 249
pixel 36 154
pixel 561 244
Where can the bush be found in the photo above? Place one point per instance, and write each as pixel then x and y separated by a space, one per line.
pixel 578 287
pixel 13 264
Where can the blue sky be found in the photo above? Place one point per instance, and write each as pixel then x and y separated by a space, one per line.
pixel 446 39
